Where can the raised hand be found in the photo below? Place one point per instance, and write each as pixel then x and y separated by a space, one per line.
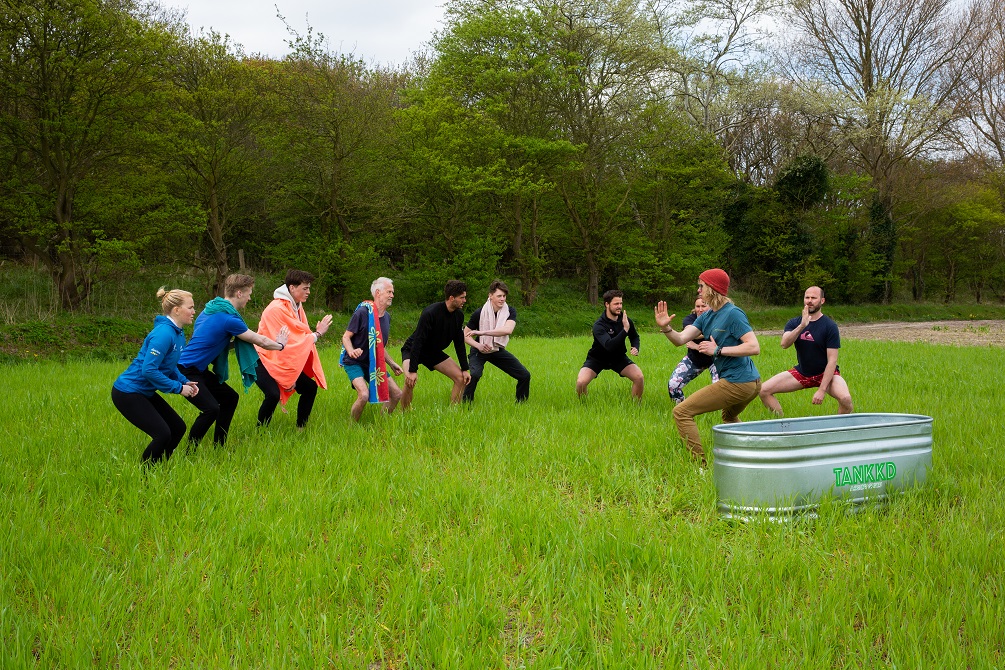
pixel 283 336
pixel 323 324
pixel 660 313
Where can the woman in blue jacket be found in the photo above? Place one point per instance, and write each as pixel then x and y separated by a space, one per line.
pixel 154 369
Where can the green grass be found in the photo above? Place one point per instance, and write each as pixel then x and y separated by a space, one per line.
pixel 119 313
pixel 559 533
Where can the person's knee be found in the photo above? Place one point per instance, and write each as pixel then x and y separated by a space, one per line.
pixel 229 397
pixel 682 412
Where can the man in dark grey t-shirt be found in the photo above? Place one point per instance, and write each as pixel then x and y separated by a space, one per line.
pixel 817 342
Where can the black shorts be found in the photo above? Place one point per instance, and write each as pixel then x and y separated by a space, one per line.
pixel 598 365
pixel 430 360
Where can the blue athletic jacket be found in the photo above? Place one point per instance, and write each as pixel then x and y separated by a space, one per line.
pixel 155 368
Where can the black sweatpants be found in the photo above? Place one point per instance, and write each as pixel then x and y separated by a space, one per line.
pixel 216 402
pixel 155 417
pixel 305 386
pixel 506 362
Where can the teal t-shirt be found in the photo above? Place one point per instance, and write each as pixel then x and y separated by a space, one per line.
pixel 726 327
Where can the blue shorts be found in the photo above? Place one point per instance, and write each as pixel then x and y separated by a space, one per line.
pixel 356 372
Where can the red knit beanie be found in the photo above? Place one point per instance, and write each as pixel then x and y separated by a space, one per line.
pixel 716 279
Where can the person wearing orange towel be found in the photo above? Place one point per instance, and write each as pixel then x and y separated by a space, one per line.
pixel 296 367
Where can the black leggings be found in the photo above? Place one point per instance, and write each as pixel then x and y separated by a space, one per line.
pixel 155 417
pixel 217 403
pixel 306 387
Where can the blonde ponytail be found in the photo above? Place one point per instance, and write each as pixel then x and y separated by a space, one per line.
pixel 171 299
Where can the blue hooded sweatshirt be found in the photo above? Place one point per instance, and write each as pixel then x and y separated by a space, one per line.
pixel 155 368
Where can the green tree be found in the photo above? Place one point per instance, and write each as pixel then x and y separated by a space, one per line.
pixel 494 68
pixel 608 52
pixel 336 192
pixel 76 78
pixel 887 72
pixel 216 111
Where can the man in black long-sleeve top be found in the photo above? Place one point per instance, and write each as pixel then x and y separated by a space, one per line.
pixel 608 351
pixel 439 324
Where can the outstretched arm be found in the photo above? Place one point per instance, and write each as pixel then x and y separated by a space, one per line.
pixel 264 342
pixel 663 321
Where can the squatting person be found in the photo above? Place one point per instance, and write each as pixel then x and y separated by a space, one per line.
pixel 439 324
pixel 365 358
pixel 609 349
pixel 154 369
pixel 731 342
pixel 297 367
pixel 218 325
pixel 817 342
pixel 488 333
pixel 694 362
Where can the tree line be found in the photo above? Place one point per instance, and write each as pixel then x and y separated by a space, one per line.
pixel 853 144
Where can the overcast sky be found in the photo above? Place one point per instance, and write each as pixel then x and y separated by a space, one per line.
pixel 380 32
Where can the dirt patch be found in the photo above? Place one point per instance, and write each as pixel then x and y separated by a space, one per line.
pixel 959 333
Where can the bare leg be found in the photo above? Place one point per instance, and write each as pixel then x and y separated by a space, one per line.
pixel 407 391
pixel 451 369
pixel 586 375
pixel 395 395
pixel 362 398
pixel 634 373
pixel 839 391
pixel 783 382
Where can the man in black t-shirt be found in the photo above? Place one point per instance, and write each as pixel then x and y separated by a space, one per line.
pixel 817 342
pixel 608 351
pixel 356 341
pixel 439 324
pixel 492 324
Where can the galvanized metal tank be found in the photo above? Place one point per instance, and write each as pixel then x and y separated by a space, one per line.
pixel 783 466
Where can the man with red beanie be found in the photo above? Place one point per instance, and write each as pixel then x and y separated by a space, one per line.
pixel 731 342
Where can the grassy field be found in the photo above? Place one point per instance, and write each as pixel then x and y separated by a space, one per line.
pixel 119 312
pixel 557 534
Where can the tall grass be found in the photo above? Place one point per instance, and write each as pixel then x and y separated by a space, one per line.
pixel 557 533
pixel 119 311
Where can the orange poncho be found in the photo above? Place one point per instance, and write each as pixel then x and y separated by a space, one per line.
pixel 300 354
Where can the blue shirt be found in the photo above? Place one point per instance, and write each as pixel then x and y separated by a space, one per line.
pixel 726 327
pixel 211 336
pixel 155 368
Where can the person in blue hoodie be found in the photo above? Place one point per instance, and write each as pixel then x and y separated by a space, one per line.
pixel 155 369
pixel 220 324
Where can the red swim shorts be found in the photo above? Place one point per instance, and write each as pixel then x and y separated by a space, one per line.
pixel 810 382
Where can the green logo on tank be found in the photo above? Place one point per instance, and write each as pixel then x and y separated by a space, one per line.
pixel 865 474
